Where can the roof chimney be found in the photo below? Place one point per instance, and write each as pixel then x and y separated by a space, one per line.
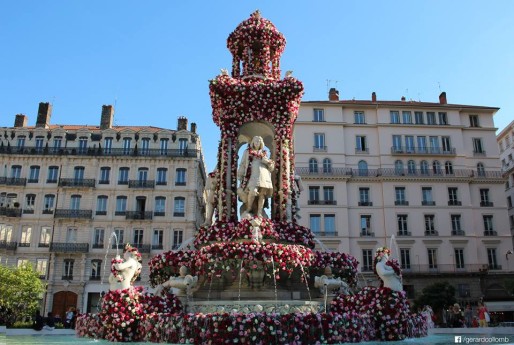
pixel 182 123
pixel 43 115
pixel 333 94
pixel 193 127
pixel 107 116
pixel 403 98
pixel 20 121
pixel 373 97
pixel 442 98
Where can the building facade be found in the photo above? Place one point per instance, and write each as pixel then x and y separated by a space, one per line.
pixel 422 178
pixel 506 145
pixel 72 195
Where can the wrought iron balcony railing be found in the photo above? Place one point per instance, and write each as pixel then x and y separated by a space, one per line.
pixel 454 203
pixel 143 248
pixel 367 234
pixel 422 150
pixel 10 212
pixel 404 233
pixel 401 203
pixel 490 233
pixel 141 184
pixel 8 245
pixel 365 203
pixel 428 203
pixel 70 213
pixel 325 233
pixel 458 233
pixel 60 247
pixel 141 215
pixel 134 152
pixel 15 181
pixel 442 268
pixel 486 204
pixel 77 183
pixel 432 233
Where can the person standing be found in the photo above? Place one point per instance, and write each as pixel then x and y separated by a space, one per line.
pixel 38 321
pixel 468 316
pixel 482 318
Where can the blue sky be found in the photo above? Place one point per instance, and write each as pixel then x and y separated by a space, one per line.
pixel 152 59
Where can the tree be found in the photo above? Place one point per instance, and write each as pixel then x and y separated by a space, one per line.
pixel 437 295
pixel 20 293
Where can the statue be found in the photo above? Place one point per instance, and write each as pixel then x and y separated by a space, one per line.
pixel 327 283
pixel 125 271
pixel 210 190
pixel 254 174
pixel 183 283
pixel 388 270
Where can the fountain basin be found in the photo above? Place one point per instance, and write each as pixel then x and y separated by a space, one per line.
pixel 256 306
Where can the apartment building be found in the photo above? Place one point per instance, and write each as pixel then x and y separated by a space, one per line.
pixel 423 178
pixel 69 193
pixel 506 144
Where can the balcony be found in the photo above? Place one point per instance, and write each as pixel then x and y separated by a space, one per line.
pixel 143 248
pixel 139 215
pixel 417 150
pixel 319 149
pixel 60 247
pixel 441 268
pixel 321 202
pixel 401 203
pixel 70 213
pixel 77 183
pixel 458 233
pixel 157 247
pixel 15 181
pixel 428 203
pixel 95 278
pixel 43 245
pixel 361 151
pixel 367 234
pixel 404 233
pixel 479 153
pixel 134 152
pixel 324 172
pixel 490 233
pixel 454 203
pixel 325 233
pixel 10 212
pixel 67 278
pixel 28 211
pixel 159 214
pixel 486 204
pixel 365 203
pixel 97 246
pixel 48 211
pixel 141 184
pixel 8 245
pixel 432 233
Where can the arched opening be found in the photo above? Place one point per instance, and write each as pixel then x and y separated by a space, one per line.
pixel 63 300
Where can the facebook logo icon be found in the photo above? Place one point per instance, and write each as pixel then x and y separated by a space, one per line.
pixel 458 339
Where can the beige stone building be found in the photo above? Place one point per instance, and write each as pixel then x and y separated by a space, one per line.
pixel 66 189
pixel 424 178
pixel 506 145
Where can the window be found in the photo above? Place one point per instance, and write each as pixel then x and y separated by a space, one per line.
pixel 366 225
pixel 359 117
pixel 398 167
pixel 400 196
pixel 53 174
pixel 407 117
pixel 145 146
pixel 363 168
pixel 105 173
pixel 126 145
pixel 82 145
pixel 448 168
pixel 330 224
pixel 313 165
pixel 367 260
pixel 313 195
pixel 41 267
pixel 22 262
pixel 409 144
pixel 180 177
pixel 434 145
pixel 395 116
pixel 75 202
pixel 397 143
pixel 432 258
pixel 138 237
pixel 21 142
pixel 453 198
pixel 30 202
pixel 403 229
pixel 142 174
pixel 418 117
pixel 430 225
pixel 447 145
pixel 16 171
pixel 26 235
pixel 182 146
pixel 177 238
pixel 405 258
pixel 162 174
pixel 328 195
pixel 98 238
pixel 427 199
pixel 430 118
pixel 101 205
pixel 163 147
pixel 121 205
pixel 315 223
pixel 96 266
pixel 157 239
pixel 78 173
pixel 67 272
pixel 364 197
pixel 360 144
pixel 484 198
pixel 6 232
pixel 480 169
pixel 120 239
pixel 44 236
pixel 459 258
pixel 456 225
pixel 478 148
pixel 319 115
pixel 411 167
pixel 34 174
pixel 160 206
pixel 319 142
pixel 488 225
pixel 39 143
pixel 71 235
pixel 443 118
pixel 422 143
pixel 327 166
pixel 107 145
pixel 473 121
pixel 179 207
pixel 423 167
pixel 491 258
pixel 57 144
pixel 123 175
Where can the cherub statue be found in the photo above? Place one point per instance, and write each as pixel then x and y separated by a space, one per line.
pixel 183 283
pixel 125 271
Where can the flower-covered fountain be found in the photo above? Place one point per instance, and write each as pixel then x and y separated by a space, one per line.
pixel 253 276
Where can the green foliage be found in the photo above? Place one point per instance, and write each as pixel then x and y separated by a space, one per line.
pixel 437 295
pixel 20 293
